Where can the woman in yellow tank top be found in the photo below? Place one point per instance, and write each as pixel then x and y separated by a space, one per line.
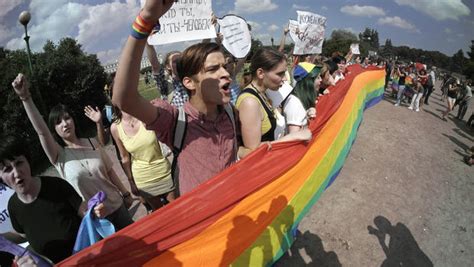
pixel 256 115
pixel 148 171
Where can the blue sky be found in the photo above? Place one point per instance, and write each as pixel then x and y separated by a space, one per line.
pixel 101 26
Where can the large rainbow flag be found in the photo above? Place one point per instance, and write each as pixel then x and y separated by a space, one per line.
pixel 247 214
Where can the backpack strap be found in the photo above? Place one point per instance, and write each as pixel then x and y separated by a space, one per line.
pixel 179 130
pixel 179 133
pixel 283 103
pixel 90 142
pixel 230 112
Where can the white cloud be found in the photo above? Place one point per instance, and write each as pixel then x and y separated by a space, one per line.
pixel 61 23
pixel 273 28
pixel 398 22
pixel 324 8
pixel 94 26
pixel 265 38
pixel 439 9
pixel 42 9
pixel 5 33
pixel 460 35
pixel 253 6
pixel 256 27
pixel 110 55
pixel 102 22
pixel 8 5
pixel 299 7
pixel 448 30
pixel 363 11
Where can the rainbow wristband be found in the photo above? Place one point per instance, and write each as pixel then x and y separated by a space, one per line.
pixel 141 28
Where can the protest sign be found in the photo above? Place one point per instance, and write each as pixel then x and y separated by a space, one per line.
pixel 5 223
pixel 355 49
pixel 294 30
pixel 236 35
pixel 309 33
pixel 185 21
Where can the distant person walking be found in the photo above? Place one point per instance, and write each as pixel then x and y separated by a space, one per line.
pixel 466 98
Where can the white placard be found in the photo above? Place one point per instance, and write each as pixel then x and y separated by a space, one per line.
pixel 236 35
pixel 278 96
pixel 309 33
pixel 293 29
pixel 355 49
pixel 185 21
pixel 5 223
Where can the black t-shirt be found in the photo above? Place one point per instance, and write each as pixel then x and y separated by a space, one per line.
pixel 401 79
pixel 50 222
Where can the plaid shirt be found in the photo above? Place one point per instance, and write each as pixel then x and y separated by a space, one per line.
pixel 234 91
pixel 162 84
pixel 180 96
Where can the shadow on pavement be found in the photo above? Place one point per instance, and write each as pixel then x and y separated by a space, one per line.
pixel 402 248
pixel 457 142
pixel 463 127
pixel 311 245
pixel 432 113
pixel 463 135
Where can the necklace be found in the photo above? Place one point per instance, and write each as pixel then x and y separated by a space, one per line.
pixel 131 122
pixel 264 98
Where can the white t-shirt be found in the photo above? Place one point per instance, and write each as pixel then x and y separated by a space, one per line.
pixel 280 129
pixel 339 76
pixel 294 111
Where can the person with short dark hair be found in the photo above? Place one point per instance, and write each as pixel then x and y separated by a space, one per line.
pixel 47 211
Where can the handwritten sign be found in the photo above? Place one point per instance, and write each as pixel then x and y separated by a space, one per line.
pixel 294 30
pixel 355 49
pixel 236 34
pixel 185 21
pixel 5 223
pixel 309 33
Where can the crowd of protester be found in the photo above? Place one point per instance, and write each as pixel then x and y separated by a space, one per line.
pixel 213 110
pixel 414 83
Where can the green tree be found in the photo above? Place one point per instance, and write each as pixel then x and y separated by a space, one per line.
pixel 256 44
pixel 387 50
pixel 340 41
pixel 469 67
pixel 369 39
pixel 63 74
pixel 458 61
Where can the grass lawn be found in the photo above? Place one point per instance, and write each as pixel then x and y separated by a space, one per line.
pixel 148 91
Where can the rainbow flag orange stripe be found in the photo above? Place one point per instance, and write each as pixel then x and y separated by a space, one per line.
pixel 245 216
